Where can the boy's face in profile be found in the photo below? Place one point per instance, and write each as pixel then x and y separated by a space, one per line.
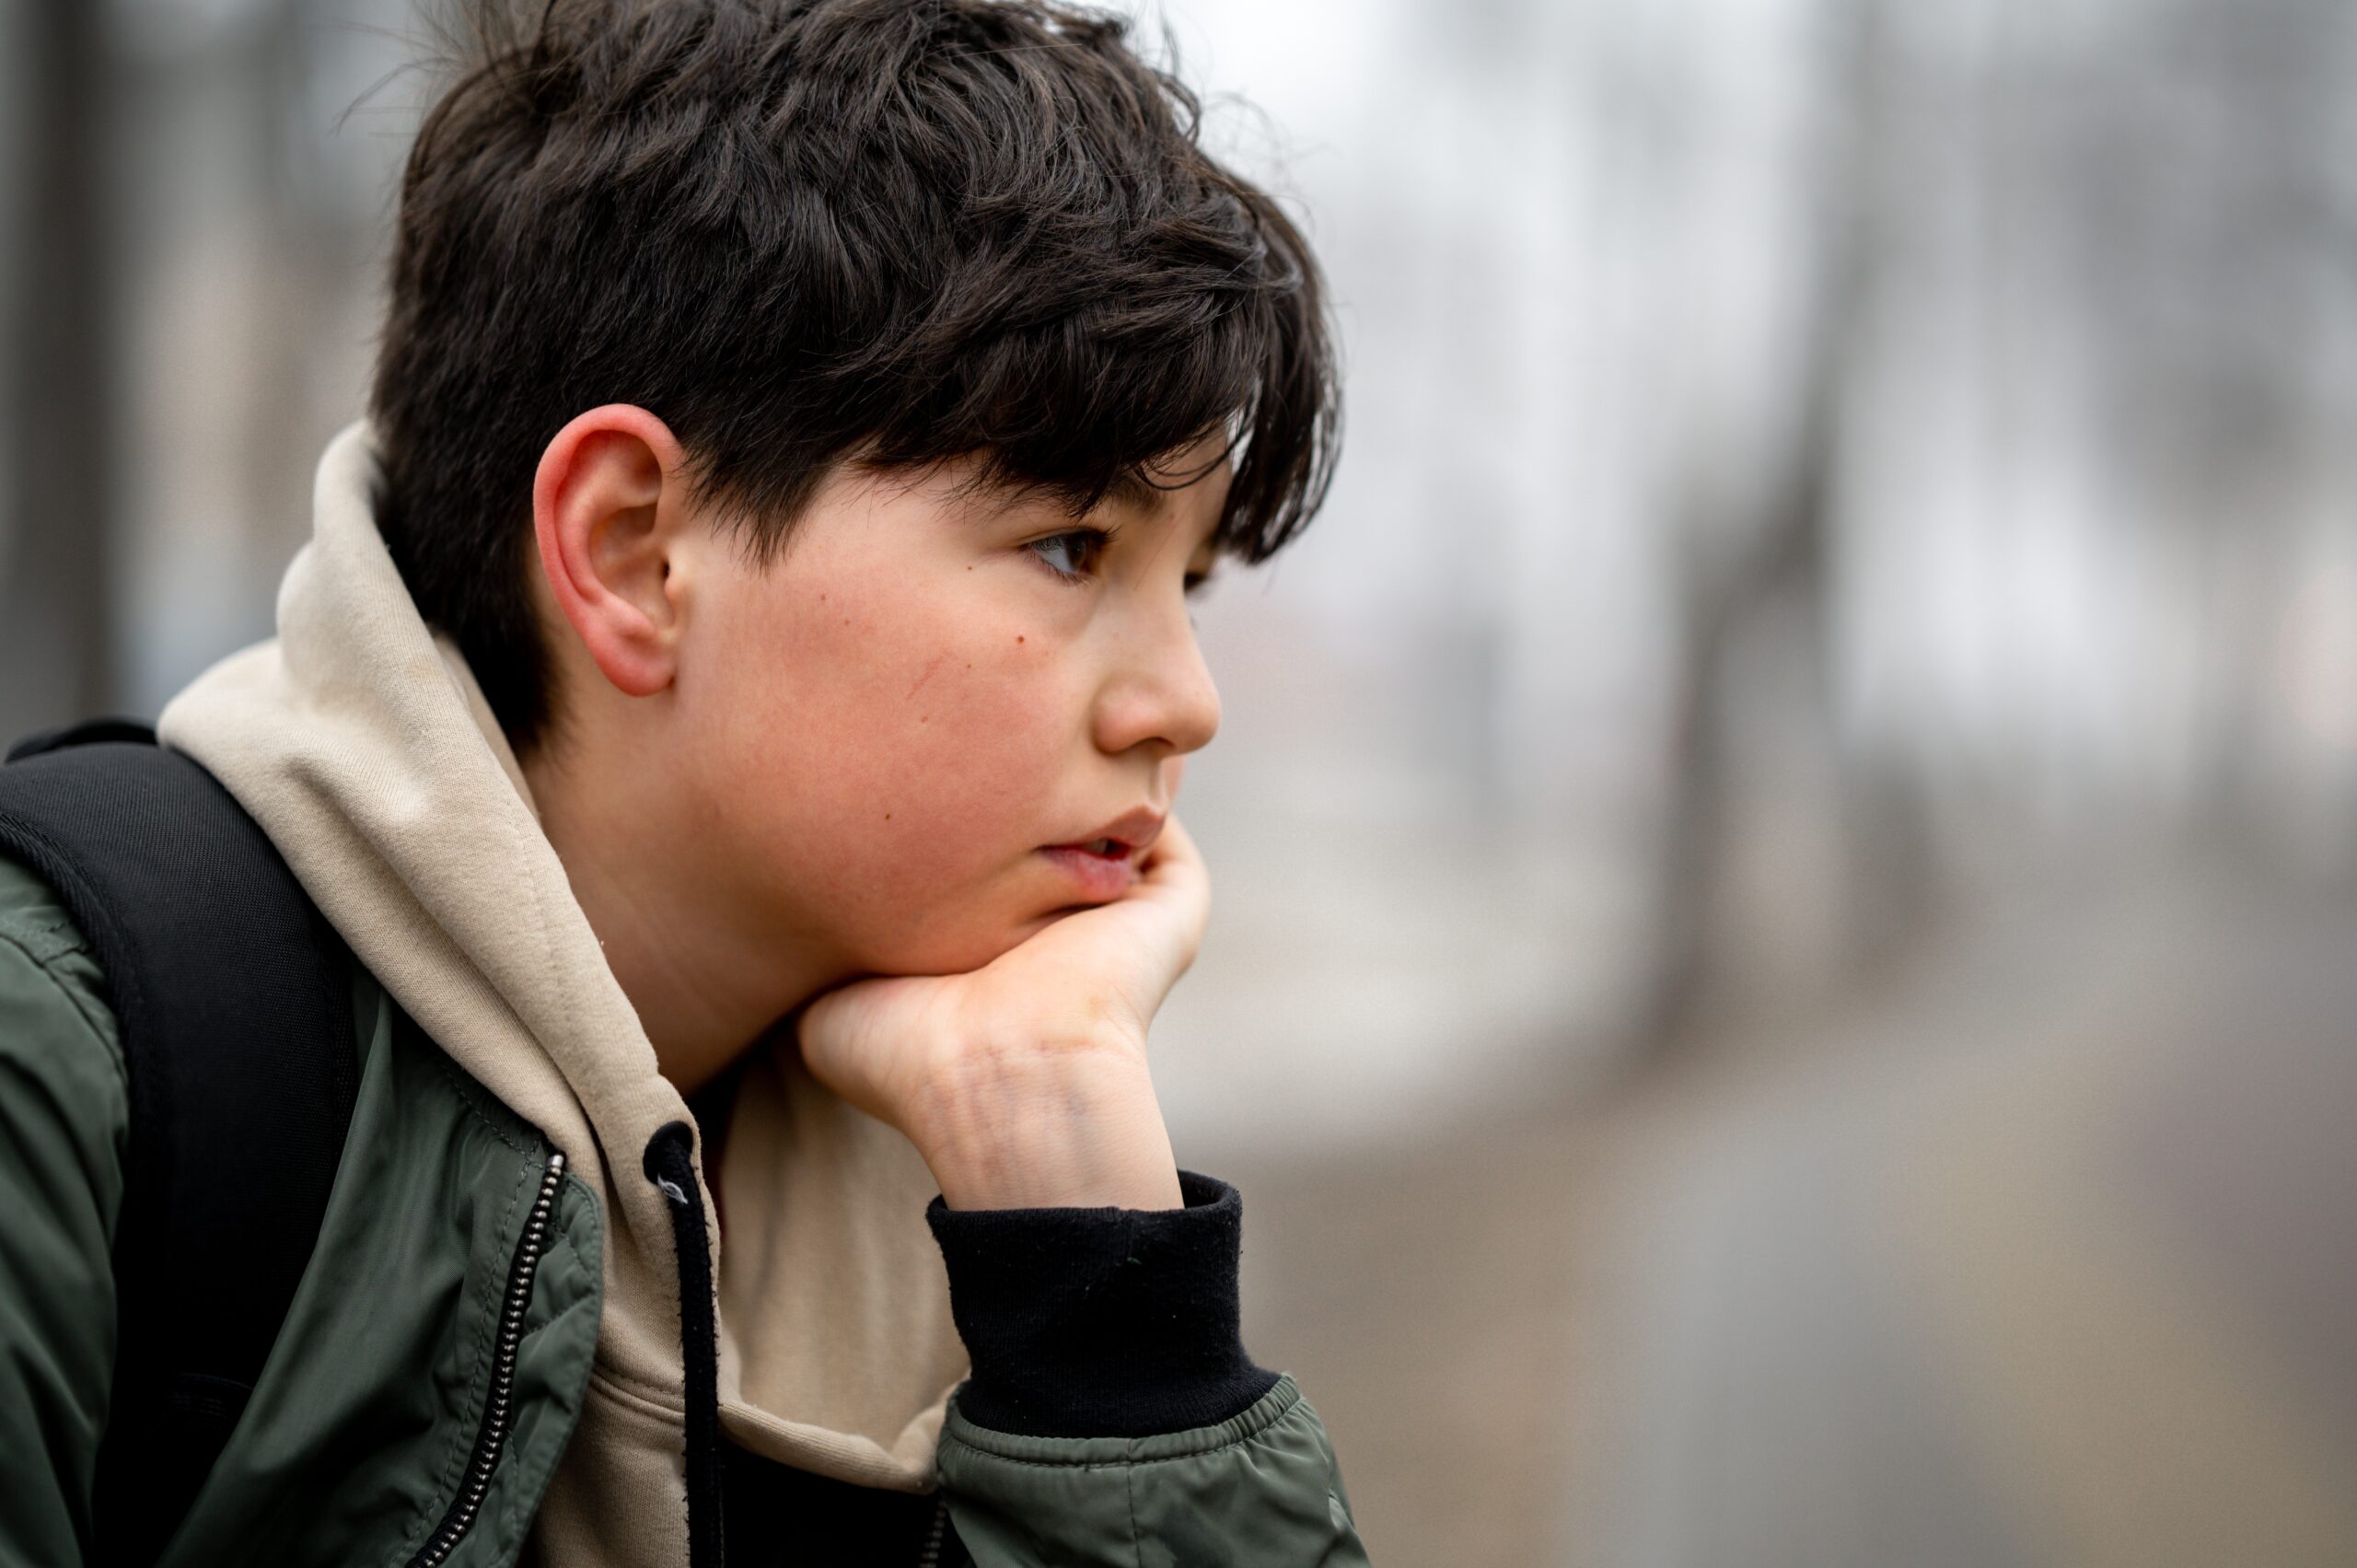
pixel 883 726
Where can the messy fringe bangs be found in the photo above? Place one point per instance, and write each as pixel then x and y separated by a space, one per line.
pixel 803 232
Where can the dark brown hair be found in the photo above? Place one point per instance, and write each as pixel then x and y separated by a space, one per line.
pixel 806 231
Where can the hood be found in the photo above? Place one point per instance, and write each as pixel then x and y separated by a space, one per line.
pixel 361 742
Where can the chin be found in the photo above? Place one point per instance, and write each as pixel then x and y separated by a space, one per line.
pixel 958 948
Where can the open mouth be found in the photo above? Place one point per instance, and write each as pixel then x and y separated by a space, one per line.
pixel 1131 833
pixel 1105 868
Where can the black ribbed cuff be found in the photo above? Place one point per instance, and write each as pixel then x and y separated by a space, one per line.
pixel 1101 1322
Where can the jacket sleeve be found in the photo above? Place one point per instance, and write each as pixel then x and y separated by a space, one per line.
pixel 65 1119
pixel 1112 1416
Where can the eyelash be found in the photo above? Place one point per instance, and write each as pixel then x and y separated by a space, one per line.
pixel 1099 538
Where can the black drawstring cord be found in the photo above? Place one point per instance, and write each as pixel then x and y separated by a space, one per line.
pixel 671 1165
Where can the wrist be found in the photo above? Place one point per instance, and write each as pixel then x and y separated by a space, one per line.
pixel 1045 1123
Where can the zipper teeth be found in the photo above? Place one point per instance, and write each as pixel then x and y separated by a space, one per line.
pixel 931 1556
pixel 492 1436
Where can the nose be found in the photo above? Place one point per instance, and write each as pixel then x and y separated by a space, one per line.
pixel 1160 691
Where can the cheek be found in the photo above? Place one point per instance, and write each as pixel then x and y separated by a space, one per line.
pixel 886 763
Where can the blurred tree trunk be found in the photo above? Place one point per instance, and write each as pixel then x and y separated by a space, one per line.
pixel 56 624
pixel 1763 575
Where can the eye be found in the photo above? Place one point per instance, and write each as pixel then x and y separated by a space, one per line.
pixel 1078 545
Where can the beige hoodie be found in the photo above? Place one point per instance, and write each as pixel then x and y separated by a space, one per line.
pixel 363 745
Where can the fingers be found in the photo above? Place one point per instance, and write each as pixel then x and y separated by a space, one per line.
pixel 1174 865
pixel 1173 876
pixel 1173 844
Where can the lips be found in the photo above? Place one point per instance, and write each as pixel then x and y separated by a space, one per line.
pixel 1104 862
pixel 1125 836
pixel 1095 877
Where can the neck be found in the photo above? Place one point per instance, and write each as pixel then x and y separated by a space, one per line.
pixel 704 990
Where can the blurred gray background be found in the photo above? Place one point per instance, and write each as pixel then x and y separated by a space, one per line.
pixel 1783 986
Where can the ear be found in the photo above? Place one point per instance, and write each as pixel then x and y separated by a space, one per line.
pixel 609 512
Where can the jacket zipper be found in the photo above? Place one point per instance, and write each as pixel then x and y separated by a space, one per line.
pixel 492 1435
pixel 931 1557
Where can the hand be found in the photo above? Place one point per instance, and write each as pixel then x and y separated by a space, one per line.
pixel 1024 1083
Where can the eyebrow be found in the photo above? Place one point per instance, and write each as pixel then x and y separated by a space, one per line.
pixel 1130 489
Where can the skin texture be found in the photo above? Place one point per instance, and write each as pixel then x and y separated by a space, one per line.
pixel 814 789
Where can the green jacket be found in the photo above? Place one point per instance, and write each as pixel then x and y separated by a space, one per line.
pixel 357 1439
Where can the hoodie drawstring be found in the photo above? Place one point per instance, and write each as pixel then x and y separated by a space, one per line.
pixel 671 1165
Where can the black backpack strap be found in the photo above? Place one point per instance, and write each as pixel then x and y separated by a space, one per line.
pixel 233 995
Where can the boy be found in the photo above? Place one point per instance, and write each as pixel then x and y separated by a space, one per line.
pixel 731 704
